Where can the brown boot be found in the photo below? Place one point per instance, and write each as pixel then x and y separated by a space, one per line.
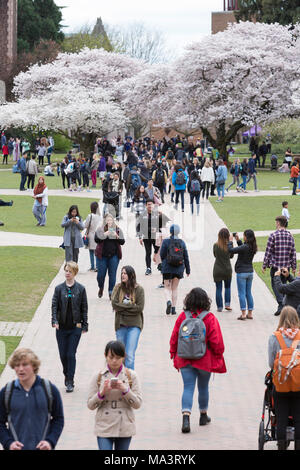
pixel 100 292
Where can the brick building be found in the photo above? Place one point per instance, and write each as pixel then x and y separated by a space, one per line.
pixel 8 41
pixel 220 20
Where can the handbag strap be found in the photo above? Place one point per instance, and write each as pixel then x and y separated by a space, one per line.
pixel 89 226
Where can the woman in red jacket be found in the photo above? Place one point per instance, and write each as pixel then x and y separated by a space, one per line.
pixel 199 370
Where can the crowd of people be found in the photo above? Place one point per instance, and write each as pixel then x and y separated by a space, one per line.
pixel 144 174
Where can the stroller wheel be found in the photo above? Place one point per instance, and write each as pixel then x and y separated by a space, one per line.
pixel 261 436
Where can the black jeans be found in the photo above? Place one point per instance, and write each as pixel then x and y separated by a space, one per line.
pixel 205 188
pixel 278 295
pixel 148 243
pixel 287 404
pixel 30 181
pixel 181 193
pixel 67 341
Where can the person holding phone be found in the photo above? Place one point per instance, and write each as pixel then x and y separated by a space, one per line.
pixel 128 301
pixel 109 238
pixel 114 392
pixel 73 225
pixel 244 270
pixel 290 288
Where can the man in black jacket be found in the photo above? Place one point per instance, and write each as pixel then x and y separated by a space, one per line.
pixel 69 317
pixel 290 290
pixel 149 224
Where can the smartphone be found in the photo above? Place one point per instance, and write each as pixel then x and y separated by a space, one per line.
pixel 113 382
pixel 234 234
pixel 111 229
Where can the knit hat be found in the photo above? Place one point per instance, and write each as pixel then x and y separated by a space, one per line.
pixel 174 229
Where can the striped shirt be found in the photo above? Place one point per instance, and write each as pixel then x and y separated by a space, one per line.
pixel 280 251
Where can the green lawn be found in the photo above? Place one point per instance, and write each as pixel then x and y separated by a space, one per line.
pixel 10 344
pixel 256 213
pixel 262 243
pixel 10 180
pixel 56 157
pixel 19 217
pixel 265 277
pixel 26 273
pixel 266 180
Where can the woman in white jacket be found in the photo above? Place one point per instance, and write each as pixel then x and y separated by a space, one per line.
pixel 207 178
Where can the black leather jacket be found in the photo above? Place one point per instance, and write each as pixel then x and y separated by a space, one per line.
pixel 79 305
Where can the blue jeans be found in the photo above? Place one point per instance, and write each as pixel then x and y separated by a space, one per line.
pixel 106 443
pixel 107 264
pixel 197 199
pixel 129 336
pixel 189 376
pixel 244 183
pixel 23 180
pixel 244 284
pixel 92 258
pixel 221 190
pixel 219 298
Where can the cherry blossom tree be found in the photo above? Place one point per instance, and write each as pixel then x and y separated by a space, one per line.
pixel 229 80
pixel 77 95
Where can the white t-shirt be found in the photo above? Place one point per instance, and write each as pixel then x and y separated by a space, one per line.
pixel 285 213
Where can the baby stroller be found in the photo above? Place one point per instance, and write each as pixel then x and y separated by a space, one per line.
pixel 267 426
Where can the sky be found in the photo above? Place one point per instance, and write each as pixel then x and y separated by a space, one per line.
pixel 180 21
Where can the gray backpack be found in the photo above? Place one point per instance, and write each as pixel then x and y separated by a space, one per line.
pixel 191 338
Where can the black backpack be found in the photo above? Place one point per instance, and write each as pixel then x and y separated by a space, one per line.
pixel 8 391
pixel 175 255
pixel 160 177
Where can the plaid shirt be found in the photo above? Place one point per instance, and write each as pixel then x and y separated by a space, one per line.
pixel 280 251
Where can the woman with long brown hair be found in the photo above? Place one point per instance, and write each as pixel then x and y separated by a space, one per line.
pixel 128 300
pixel 222 271
pixel 244 270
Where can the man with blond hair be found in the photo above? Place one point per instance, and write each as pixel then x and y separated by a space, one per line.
pixel 31 410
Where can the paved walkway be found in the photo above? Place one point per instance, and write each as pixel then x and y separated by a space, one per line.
pixel 235 398
pixel 98 193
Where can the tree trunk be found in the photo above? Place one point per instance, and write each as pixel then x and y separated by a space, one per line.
pixel 223 136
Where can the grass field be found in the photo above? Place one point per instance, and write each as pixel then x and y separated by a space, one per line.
pixel 26 273
pixel 9 344
pixel 264 276
pixel 256 213
pixel 262 243
pixel 19 217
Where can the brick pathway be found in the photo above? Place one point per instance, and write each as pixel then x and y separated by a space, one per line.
pixel 235 398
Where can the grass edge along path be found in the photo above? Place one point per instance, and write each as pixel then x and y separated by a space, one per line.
pixel 26 273
pixel 7 346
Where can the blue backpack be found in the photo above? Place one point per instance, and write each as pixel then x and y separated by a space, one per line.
pixel 135 181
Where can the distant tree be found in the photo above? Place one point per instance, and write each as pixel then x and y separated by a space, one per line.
pixel 139 42
pixel 284 12
pixel 38 19
pixel 86 36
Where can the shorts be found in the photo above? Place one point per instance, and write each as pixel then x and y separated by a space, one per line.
pixel 101 174
pixel 170 276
